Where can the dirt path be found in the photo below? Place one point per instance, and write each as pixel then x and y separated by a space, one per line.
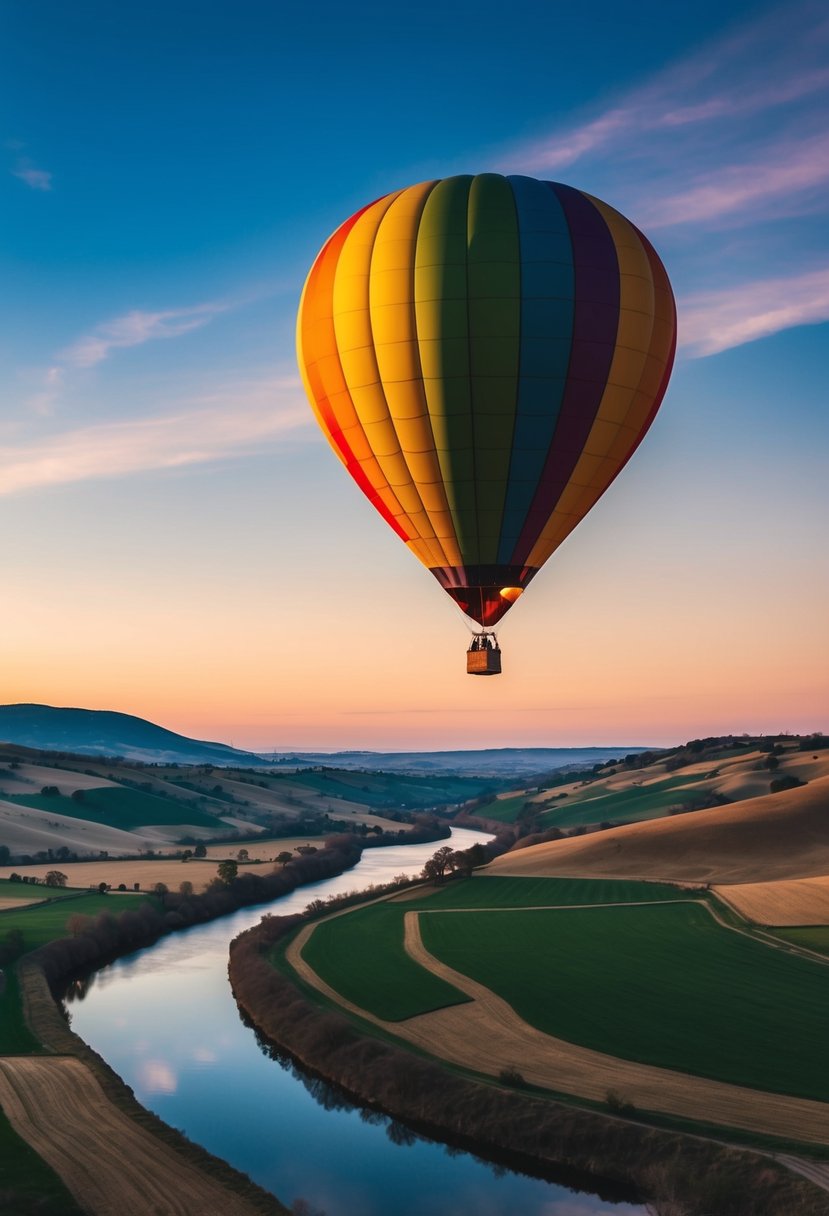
pixel 486 1035
pixel 112 1166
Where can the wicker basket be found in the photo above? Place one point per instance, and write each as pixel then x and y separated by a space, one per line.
pixel 483 662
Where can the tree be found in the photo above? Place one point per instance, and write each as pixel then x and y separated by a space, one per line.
pixel 78 795
pixel 54 878
pixel 243 855
pixel 200 851
pixel 185 888
pixel 460 863
pixel 50 791
pixel 283 858
pixel 227 871
pixel 160 889
pixel 435 867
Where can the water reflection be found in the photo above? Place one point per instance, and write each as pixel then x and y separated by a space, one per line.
pixel 332 1097
pixel 165 1019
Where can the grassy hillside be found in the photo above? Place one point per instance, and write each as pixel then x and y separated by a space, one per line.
pixel 697 775
pixel 783 835
pixel 118 807
pixel 54 805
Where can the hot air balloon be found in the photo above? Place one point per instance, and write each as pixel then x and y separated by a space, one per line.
pixel 484 354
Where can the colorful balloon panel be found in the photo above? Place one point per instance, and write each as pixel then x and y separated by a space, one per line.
pixel 484 354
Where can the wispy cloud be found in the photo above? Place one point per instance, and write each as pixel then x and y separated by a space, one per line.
pixel 136 327
pixel 728 79
pixel 28 172
pixel 787 173
pixel 43 402
pixel 238 420
pixel 725 156
pixel 718 320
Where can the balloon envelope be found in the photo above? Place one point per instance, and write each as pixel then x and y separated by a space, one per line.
pixel 484 354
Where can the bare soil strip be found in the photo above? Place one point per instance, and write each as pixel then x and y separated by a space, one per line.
pixel 487 1036
pixel 19 904
pixel 112 1166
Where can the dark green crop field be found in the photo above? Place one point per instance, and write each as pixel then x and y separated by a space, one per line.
pixel 813 937
pixel 361 954
pixel 505 892
pixel 664 984
pixel 119 808
pixel 362 957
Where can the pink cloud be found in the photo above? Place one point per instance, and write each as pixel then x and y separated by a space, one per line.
pixel 137 327
pixel 36 179
pixel 241 419
pixel 779 172
pixel 714 321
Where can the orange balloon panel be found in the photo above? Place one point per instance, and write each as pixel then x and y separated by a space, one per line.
pixel 484 354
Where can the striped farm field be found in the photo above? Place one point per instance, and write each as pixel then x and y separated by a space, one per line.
pixel 664 985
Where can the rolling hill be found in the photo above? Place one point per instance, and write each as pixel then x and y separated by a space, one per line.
pixel 98 732
pixel 775 836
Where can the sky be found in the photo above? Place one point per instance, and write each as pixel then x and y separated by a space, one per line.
pixel 179 542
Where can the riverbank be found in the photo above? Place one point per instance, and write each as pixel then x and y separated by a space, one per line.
pixel 701 1176
pixel 112 1154
pixel 76 1112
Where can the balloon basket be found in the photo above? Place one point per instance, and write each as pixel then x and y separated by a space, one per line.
pixel 483 658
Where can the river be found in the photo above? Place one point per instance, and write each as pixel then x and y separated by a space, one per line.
pixel 166 1021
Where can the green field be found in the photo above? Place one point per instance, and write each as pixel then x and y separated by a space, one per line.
pixel 507 810
pixel 39 924
pixel 631 804
pixel 502 892
pixel 15 1037
pixel 361 954
pixel 118 807
pixel 44 922
pixel 665 985
pixel 362 957
pixel 814 937
pixel 26 892
pixel 28 1187
pixel 390 790
pixel 597 803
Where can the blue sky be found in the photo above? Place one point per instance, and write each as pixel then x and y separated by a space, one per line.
pixel 167 174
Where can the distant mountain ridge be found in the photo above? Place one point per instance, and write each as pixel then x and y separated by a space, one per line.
pixel 483 762
pixel 102 732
